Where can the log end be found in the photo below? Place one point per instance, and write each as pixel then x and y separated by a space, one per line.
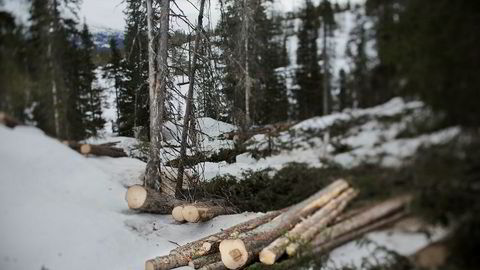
pixel 177 214
pixel 136 196
pixel 85 149
pixel 207 246
pixel 150 265
pixel 191 214
pixel 267 257
pixel 233 253
pixel 292 249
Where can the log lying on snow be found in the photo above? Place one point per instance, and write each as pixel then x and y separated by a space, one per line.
pixel 181 256
pixel 143 199
pixel 306 229
pixel 200 212
pixel 102 150
pixel 8 120
pixel 237 253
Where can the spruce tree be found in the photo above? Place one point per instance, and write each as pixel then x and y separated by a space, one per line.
pixel 92 94
pixel 114 71
pixel 133 99
pixel 308 75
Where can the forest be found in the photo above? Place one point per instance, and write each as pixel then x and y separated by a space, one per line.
pixel 353 125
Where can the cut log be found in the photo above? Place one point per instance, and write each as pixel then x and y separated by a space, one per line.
pixel 343 239
pixel 177 213
pixel 237 253
pixel 350 236
pixel 375 213
pixel 181 256
pixel 214 266
pixel 200 212
pixel 205 260
pixel 146 200
pixel 313 224
pixel 267 233
pixel 99 150
pixel 307 234
pixel 8 120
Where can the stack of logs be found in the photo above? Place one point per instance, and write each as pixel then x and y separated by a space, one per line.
pixel 316 222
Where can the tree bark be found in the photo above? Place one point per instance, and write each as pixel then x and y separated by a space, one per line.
pixel 205 260
pixel 201 212
pixel 214 266
pixel 248 82
pixel 371 215
pixel 188 118
pixel 309 232
pixel 181 256
pixel 8 120
pixel 147 200
pixel 101 150
pixel 313 224
pixel 267 233
pixel 157 94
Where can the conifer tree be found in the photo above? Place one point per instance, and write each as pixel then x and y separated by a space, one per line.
pixel 114 71
pixel 91 93
pixel 308 75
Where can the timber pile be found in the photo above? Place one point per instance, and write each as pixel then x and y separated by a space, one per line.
pixel 8 120
pixel 315 222
pixel 104 149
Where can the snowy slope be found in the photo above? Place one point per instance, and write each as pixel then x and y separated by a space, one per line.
pixel 60 210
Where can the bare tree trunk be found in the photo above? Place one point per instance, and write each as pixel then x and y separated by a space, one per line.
pixel 188 118
pixel 248 82
pixel 157 94
pixel 326 77
pixel 56 113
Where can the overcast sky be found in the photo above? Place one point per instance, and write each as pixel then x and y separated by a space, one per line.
pixel 109 13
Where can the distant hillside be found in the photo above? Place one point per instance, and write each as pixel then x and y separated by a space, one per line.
pixel 102 35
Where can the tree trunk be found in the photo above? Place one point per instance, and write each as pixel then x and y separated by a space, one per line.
pixel 181 256
pixel 214 266
pixel 314 224
pixel 157 94
pixel 309 232
pixel 373 214
pixel 267 233
pixel 188 118
pixel 8 120
pixel 201 212
pixel 147 200
pixel 101 150
pixel 248 82
pixel 326 75
pixel 205 260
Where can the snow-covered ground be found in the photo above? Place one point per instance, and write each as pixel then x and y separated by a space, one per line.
pixel 61 210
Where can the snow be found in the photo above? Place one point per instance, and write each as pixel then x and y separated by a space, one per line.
pixel 60 210
pixel 371 140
